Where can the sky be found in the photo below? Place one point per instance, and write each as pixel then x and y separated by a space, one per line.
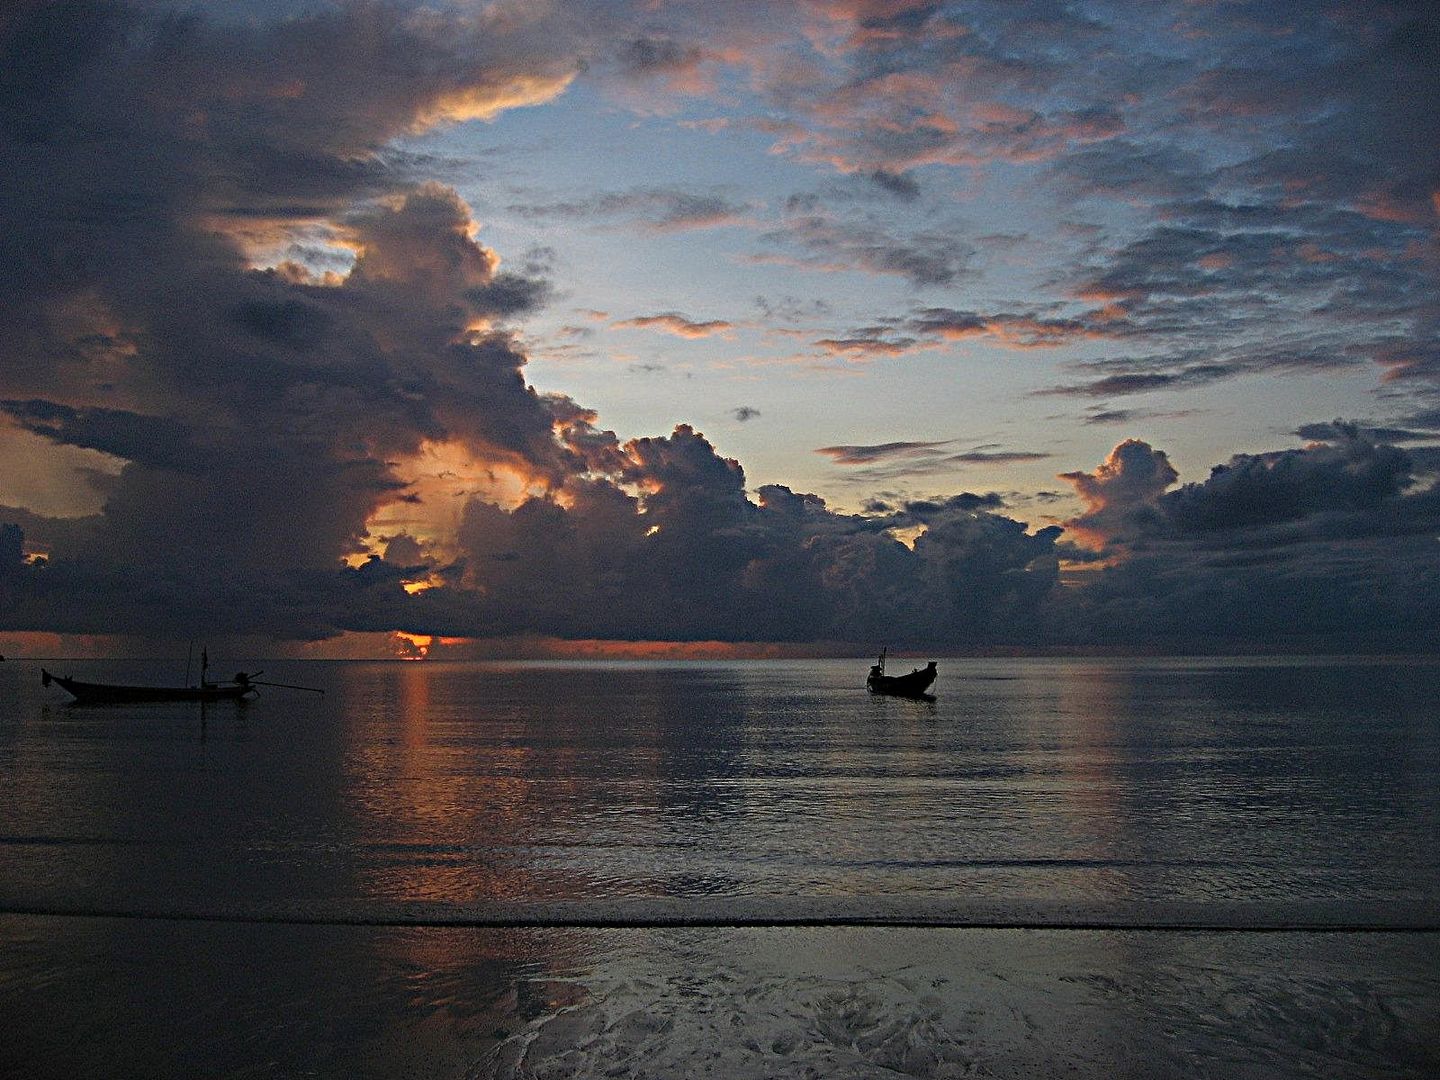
pixel 485 328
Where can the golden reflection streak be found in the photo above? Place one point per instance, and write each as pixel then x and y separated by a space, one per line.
pixel 454 808
pixel 1090 699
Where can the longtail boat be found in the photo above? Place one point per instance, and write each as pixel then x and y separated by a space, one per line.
pixel 913 684
pixel 88 693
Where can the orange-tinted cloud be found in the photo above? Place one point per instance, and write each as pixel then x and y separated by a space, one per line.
pixel 673 322
pixel 1120 492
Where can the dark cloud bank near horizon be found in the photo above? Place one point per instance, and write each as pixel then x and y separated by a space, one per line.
pixel 261 414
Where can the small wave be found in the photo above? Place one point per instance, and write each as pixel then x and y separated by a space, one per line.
pixel 731 913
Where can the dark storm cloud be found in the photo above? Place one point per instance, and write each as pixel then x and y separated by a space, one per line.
pixel 1333 543
pixel 12 561
pixel 922 510
pixel 1346 489
pixel 157 441
pixel 1427 419
pixel 259 413
pixel 693 557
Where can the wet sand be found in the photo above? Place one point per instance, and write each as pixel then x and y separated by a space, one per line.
pixel 155 998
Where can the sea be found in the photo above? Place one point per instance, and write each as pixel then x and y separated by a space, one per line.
pixel 1202 867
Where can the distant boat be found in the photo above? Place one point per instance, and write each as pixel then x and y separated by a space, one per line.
pixel 88 693
pixel 912 685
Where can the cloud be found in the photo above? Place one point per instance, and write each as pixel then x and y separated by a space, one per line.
pixel 1126 168
pixel 656 209
pixel 691 557
pixel 867 455
pixel 1121 494
pixel 646 56
pixel 1348 488
pixel 1015 330
pixel 791 309
pixel 288 437
pixel 906 460
pixel 814 237
pixel 1342 431
pixel 1329 545
pixel 870 343
pixel 674 67
pixel 900 185
pixel 1344 489
pixel 1188 368
pixel 672 322
pixel 929 328
pixel 922 510
pixel 263 416
pixel 1101 415
pixel 997 457
pixel 1143 382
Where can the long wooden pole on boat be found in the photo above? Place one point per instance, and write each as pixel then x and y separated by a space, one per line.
pixel 287 686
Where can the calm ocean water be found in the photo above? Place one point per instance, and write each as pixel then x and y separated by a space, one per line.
pixel 300 886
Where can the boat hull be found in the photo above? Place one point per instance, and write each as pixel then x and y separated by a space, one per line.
pixel 914 684
pixel 111 694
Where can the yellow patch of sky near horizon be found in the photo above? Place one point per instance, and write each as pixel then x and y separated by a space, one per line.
pixel 49 479
pixel 444 476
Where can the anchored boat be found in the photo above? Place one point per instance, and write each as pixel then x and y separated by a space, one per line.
pixel 914 684
pixel 88 693
pixel 240 688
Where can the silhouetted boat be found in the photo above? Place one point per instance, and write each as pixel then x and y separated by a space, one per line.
pixel 88 693
pixel 912 685
pixel 237 689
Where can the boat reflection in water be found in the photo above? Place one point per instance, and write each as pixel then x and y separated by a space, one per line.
pixel 913 685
